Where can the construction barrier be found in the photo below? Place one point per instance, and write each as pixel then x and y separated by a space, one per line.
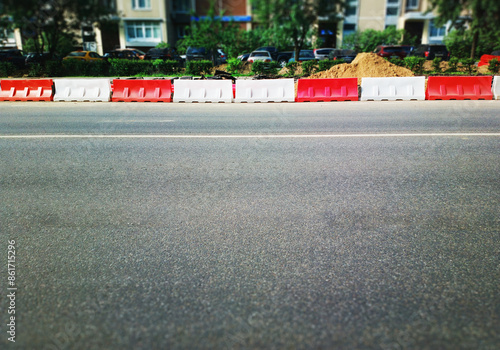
pixel 26 90
pixel 459 88
pixel 139 90
pixel 80 90
pixel 393 89
pixel 203 91
pixel 276 90
pixel 496 88
pixel 324 90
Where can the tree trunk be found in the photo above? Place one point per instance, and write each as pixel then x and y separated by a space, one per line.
pixel 475 40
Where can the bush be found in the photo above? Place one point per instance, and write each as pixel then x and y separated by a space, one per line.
pixel 199 67
pixel 327 64
pixel 7 69
pixel 53 69
pixel 234 65
pixel 35 70
pixel 123 67
pixel 415 64
pixel 74 67
pixel 494 66
pixel 469 64
pixel 292 68
pixel 165 67
pixel 436 64
pixel 269 68
pixel 452 65
pixel 309 67
pixel 397 61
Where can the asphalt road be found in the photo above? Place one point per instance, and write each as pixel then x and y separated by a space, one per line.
pixel 313 226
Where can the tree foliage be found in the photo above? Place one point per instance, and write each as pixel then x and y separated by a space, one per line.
pixel 368 40
pixel 482 17
pixel 292 23
pixel 46 22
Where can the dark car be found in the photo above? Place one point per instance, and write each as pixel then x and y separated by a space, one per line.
pixel 390 51
pixel 41 58
pixel 14 56
pixel 346 55
pixel 202 53
pixel 304 55
pixel 243 57
pixel 430 51
pixel 129 54
pixel 166 54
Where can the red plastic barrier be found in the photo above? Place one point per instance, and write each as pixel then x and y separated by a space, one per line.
pixel 459 88
pixel 485 60
pixel 316 90
pixel 131 90
pixel 26 90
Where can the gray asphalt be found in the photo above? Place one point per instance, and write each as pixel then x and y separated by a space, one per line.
pixel 252 243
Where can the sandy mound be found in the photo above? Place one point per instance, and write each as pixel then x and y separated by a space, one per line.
pixel 364 65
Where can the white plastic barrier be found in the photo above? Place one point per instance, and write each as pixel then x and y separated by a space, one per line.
pixel 496 87
pixel 392 89
pixel 203 91
pixel 276 90
pixel 82 90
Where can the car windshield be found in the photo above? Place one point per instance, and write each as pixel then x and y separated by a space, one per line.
pixel 306 54
pixel 393 49
pixel 196 50
pixel 260 54
pixel 139 52
pixel 348 52
pixel 77 54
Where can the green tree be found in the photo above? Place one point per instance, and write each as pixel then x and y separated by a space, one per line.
pixel 292 22
pixel 48 23
pixel 483 18
pixel 367 40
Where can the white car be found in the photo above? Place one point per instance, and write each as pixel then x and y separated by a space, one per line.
pixel 264 56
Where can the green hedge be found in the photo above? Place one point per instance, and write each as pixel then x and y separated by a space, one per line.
pixel 415 64
pixel 309 67
pixel 266 68
pixel 494 65
pixel 7 69
pixel 327 64
pixel 199 67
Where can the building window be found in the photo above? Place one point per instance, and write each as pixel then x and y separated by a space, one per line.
pixel 436 31
pixel 143 31
pixel 412 4
pixel 141 4
pixel 182 6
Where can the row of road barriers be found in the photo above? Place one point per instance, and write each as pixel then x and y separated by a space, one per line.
pixel 251 91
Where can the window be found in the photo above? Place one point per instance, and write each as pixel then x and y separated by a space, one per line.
pixel 412 4
pixel 141 4
pixel 392 11
pixel 392 8
pixel 351 8
pixel 182 6
pixel 143 31
pixel 436 31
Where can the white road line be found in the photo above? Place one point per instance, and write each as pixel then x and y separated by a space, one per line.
pixel 243 136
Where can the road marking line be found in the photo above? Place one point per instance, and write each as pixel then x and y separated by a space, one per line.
pixel 242 136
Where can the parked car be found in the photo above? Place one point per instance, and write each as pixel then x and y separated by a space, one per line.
pixel 485 59
pixel 130 54
pixel 430 51
pixel 264 56
pixel 166 54
pixel 202 53
pixel 243 57
pixel 390 51
pixel 89 56
pixel 304 55
pixel 281 57
pixel 323 54
pixel 222 55
pixel 343 54
pixel 40 58
pixel 14 56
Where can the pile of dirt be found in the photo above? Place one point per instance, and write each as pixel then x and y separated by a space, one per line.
pixel 364 65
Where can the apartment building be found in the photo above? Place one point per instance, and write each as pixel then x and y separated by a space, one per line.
pixel 410 15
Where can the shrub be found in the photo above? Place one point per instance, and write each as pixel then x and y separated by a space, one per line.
pixel 165 67
pixel 452 65
pixel 35 70
pixel 469 64
pixel 292 68
pixel 53 69
pixel 327 64
pixel 199 67
pixel 6 69
pixel 123 67
pixel 234 65
pixel 309 67
pixel 436 64
pixel 397 61
pixel 415 64
pixel 494 66
pixel 269 68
